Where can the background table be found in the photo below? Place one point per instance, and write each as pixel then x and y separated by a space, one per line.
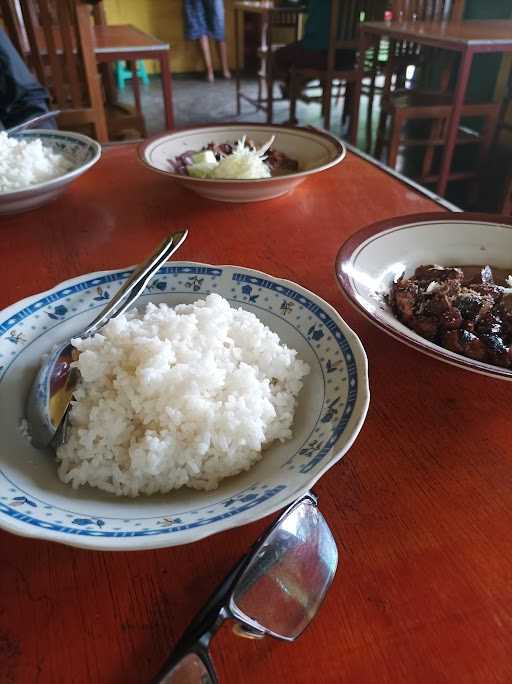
pixel 126 42
pixel 466 37
pixel 267 12
pixel 420 507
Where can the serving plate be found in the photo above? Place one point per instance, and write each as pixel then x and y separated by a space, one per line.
pixel 331 410
pixel 80 149
pixel 315 150
pixel 372 258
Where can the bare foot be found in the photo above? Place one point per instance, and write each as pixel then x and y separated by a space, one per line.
pixel 227 74
pixel 210 77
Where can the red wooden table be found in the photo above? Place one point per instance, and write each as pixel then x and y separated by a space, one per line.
pixel 465 37
pixel 126 42
pixel 420 507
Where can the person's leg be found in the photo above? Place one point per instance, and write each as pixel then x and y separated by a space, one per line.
pixel 21 96
pixel 196 28
pixel 216 27
pixel 207 58
pixel 223 58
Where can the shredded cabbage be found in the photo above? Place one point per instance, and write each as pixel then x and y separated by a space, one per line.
pixel 243 163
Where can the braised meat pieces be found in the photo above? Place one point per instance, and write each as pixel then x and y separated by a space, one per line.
pixel 278 162
pixel 461 309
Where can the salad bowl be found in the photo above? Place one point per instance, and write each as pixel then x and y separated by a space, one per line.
pixel 313 149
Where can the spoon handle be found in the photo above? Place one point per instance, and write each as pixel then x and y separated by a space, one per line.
pixel 137 282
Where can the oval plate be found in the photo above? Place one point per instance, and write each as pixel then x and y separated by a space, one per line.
pixel 370 259
pixel 331 410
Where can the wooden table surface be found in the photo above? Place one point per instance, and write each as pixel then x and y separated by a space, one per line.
pixel 492 33
pixel 420 507
pixel 125 37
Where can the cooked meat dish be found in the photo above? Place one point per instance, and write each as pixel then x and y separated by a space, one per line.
pixel 467 309
pixel 278 163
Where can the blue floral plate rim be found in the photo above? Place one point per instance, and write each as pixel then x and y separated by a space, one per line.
pixel 89 533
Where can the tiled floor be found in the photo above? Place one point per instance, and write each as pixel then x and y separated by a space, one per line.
pixel 196 101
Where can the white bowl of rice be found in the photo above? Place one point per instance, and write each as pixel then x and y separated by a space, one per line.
pixel 224 397
pixel 36 166
pixel 314 151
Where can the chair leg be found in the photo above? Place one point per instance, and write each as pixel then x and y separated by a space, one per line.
pixel 293 98
pixel 326 101
pixel 347 103
pixel 487 137
pixel 270 98
pixel 506 205
pixel 381 133
pixel 369 112
pixel 394 139
pixel 435 133
pixel 488 134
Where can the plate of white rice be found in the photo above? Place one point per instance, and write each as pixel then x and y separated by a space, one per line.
pixel 36 166
pixel 223 396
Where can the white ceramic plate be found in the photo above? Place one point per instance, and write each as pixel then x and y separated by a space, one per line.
pixel 369 261
pixel 332 407
pixel 81 150
pixel 315 151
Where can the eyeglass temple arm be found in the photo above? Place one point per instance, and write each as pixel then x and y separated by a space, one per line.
pixel 205 619
pixel 206 622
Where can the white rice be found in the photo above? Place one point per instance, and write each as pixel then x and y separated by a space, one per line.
pixel 178 397
pixel 24 163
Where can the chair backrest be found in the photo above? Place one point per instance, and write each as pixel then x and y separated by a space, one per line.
pixel 56 39
pixel 428 10
pixel 285 23
pixel 346 15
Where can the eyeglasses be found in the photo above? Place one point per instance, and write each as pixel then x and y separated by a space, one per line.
pixel 276 589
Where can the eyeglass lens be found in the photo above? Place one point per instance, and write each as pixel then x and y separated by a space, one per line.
pixel 285 582
pixel 189 670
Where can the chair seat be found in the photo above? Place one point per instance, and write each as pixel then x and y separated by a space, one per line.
pixel 431 103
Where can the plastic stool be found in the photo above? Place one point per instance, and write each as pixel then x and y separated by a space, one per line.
pixel 124 74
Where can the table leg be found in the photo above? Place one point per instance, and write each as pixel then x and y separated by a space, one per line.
pixel 269 73
pixel 132 66
pixel 358 85
pixel 237 63
pixel 453 125
pixel 165 74
pixel 371 94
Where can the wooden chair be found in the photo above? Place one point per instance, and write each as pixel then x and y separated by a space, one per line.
pixel 57 40
pixel 434 108
pixel 395 63
pixel 281 23
pixel 344 22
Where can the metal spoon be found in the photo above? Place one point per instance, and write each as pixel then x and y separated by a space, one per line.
pixel 52 390
pixel 31 122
